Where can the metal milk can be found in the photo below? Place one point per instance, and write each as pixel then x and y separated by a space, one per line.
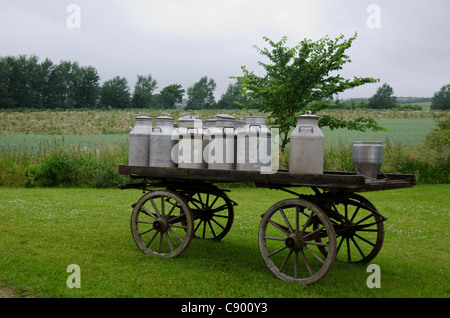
pixel 163 148
pixel 191 143
pixel 368 158
pixel 139 141
pixel 208 123
pixel 307 146
pixel 253 145
pixel 219 152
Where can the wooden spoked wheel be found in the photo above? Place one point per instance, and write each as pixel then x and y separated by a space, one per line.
pixel 213 213
pixel 358 225
pixel 162 224
pixel 290 235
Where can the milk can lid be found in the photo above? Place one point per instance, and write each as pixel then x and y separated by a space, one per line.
pixel 225 117
pixel 308 114
pixel 165 118
pixel 143 118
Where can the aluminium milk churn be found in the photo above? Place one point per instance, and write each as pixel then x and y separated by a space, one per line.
pixel 139 142
pixel 162 144
pixel 368 158
pixel 219 152
pixel 307 146
pixel 191 143
pixel 253 145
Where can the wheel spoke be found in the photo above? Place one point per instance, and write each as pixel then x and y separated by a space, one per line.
pixel 220 225
pixel 155 208
pixel 161 239
pixel 277 251
pixel 283 265
pixel 151 240
pixel 274 238
pixel 147 231
pixel 280 227
pixel 305 261
pixel 176 235
pixel 147 212
pixel 286 220
pixel 169 242
pixel 314 255
pixel 365 240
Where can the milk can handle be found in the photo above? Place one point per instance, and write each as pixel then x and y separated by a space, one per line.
pixel 153 129
pixel 226 128
pixel 300 128
pixel 254 125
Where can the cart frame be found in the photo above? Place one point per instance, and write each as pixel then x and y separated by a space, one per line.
pixel 299 238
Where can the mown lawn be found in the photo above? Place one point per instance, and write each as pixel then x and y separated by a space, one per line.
pixel 43 231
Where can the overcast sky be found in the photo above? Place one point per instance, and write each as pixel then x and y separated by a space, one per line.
pixel 404 43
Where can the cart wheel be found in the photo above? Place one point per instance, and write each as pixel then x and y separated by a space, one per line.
pixel 162 224
pixel 359 228
pixel 288 244
pixel 213 213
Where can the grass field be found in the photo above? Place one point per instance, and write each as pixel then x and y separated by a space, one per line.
pixel 35 147
pixel 43 231
pixel 410 131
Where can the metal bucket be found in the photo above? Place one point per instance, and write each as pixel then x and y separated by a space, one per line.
pixel 368 158
pixel 139 141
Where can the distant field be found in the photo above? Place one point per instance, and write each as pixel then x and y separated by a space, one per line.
pixel 410 131
pixel 97 128
pixel 36 142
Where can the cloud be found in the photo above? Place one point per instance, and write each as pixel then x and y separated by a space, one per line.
pixel 179 41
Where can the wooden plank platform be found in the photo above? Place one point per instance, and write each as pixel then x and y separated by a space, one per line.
pixel 330 179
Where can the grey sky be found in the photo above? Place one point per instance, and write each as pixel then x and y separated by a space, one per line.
pixel 179 41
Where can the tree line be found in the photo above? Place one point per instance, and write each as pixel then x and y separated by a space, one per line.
pixel 384 99
pixel 26 82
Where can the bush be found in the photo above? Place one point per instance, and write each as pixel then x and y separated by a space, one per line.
pixel 55 165
pixel 58 171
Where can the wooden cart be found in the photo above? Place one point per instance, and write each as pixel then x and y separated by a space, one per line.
pixel 299 238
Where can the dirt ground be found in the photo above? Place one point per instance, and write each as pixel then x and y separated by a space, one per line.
pixel 6 292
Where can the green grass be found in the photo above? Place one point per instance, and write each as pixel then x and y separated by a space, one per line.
pixel 42 231
pixel 34 142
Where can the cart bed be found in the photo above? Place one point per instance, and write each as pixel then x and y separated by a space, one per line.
pixel 344 181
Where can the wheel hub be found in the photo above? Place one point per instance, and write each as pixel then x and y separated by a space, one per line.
pixel 161 225
pixel 294 242
pixel 206 214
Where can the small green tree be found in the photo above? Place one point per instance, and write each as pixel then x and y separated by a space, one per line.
pixel 170 95
pixel 201 94
pixel 441 99
pixel 143 91
pixel 298 78
pixel 383 99
pixel 85 87
pixel 233 98
pixel 115 93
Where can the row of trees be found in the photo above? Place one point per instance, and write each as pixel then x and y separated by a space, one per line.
pixel 25 82
pixel 384 99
